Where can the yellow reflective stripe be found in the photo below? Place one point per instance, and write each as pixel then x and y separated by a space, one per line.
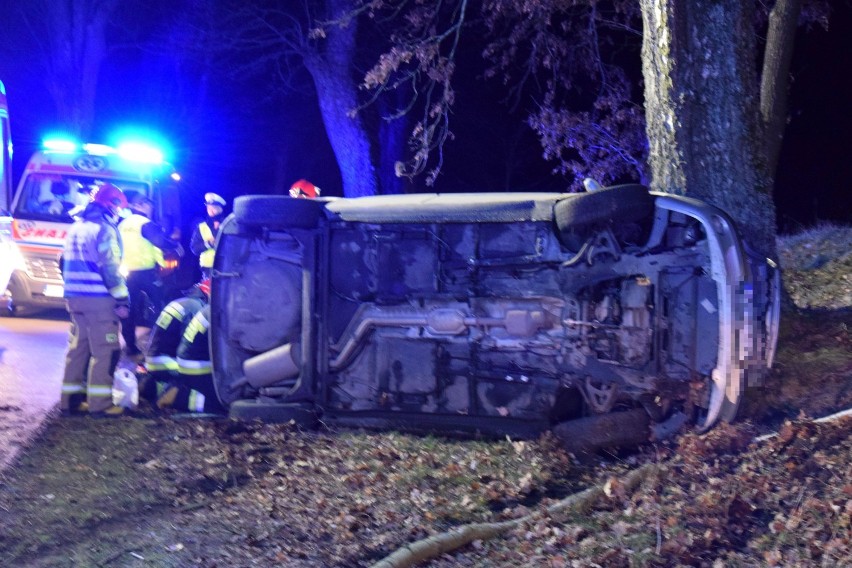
pixel 68 388
pixel 161 363
pixel 175 310
pixel 119 291
pixel 206 258
pixel 197 324
pixel 190 367
pixel 206 233
pixel 196 401
pixel 99 391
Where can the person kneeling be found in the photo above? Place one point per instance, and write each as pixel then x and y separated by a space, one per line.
pixel 193 390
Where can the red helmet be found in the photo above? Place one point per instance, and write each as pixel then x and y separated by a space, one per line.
pixel 304 189
pixel 204 286
pixel 109 196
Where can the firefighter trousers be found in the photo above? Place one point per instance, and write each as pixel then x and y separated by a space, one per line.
pixel 93 352
pixel 145 290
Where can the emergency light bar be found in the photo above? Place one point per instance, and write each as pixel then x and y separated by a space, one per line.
pixel 140 153
pixel 59 145
pixel 133 151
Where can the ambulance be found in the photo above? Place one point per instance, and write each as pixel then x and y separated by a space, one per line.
pixel 55 185
pixel 7 247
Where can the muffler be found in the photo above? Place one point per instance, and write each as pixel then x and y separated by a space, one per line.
pixel 273 366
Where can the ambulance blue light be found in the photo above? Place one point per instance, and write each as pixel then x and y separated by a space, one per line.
pixel 140 153
pixel 99 149
pixel 59 145
pixel 175 176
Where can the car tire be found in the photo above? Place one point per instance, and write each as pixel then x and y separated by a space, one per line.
pixel 576 215
pixel 277 211
pixel 301 414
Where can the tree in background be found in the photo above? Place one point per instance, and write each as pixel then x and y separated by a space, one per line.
pixel 72 42
pixel 280 41
pixel 714 122
pixel 711 135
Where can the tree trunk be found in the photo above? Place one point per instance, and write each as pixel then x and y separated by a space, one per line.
pixel 773 81
pixel 76 47
pixel 701 107
pixel 332 72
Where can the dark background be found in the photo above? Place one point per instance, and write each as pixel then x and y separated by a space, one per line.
pixel 249 143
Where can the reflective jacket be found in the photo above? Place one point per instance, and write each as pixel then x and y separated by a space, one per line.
pixel 168 331
pixel 193 354
pixel 204 234
pixel 92 255
pixel 139 252
pixel 205 259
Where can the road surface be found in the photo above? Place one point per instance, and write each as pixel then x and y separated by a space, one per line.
pixel 32 357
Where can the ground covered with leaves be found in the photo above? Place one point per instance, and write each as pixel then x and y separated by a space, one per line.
pixel 172 491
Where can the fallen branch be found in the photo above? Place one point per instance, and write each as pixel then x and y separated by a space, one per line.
pixel 825 419
pixel 438 544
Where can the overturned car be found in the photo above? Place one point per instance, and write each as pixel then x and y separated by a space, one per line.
pixel 596 314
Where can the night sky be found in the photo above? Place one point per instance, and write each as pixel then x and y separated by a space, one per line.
pixel 249 144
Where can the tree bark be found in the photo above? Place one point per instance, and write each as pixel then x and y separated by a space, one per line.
pixel 701 108
pixel 332 72
pixel 780 39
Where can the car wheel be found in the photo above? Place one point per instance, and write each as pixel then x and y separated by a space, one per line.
pixel 276 211
pixel 303 415
pixel 617 205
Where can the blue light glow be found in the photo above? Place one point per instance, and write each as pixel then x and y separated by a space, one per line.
pixel 98 149
pixel 139 152
pixel 59 145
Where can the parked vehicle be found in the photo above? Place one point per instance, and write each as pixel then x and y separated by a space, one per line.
pixel 501 314
pixel 56 182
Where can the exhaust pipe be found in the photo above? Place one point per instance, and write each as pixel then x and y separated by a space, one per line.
pixel 274 366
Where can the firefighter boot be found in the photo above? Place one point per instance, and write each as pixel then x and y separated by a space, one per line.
pixel 76 405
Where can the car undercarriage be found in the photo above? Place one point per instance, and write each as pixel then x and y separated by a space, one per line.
pixel 496 314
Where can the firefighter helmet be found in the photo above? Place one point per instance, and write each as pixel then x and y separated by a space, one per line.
pixel 304 189
pixel 204 286
pixel 109 196
pixel 214 199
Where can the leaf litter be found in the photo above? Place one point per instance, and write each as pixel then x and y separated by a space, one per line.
pixel 156 491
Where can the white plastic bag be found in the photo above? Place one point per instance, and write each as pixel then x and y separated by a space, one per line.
pixel 125 389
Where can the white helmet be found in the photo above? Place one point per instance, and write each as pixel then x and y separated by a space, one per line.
pixel 214 199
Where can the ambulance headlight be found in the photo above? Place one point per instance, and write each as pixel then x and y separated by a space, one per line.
pixel 9 252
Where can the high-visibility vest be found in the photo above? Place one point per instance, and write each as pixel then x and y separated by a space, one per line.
pixel 139 252
pixel 205 259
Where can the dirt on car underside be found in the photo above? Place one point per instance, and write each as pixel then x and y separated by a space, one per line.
pixel 169 490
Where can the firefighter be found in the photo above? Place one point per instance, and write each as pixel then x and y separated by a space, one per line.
pixel 96 296
pixel 161 367
pixel 145 243
pixel 204 236
pixel 193 391
pixel 303 189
